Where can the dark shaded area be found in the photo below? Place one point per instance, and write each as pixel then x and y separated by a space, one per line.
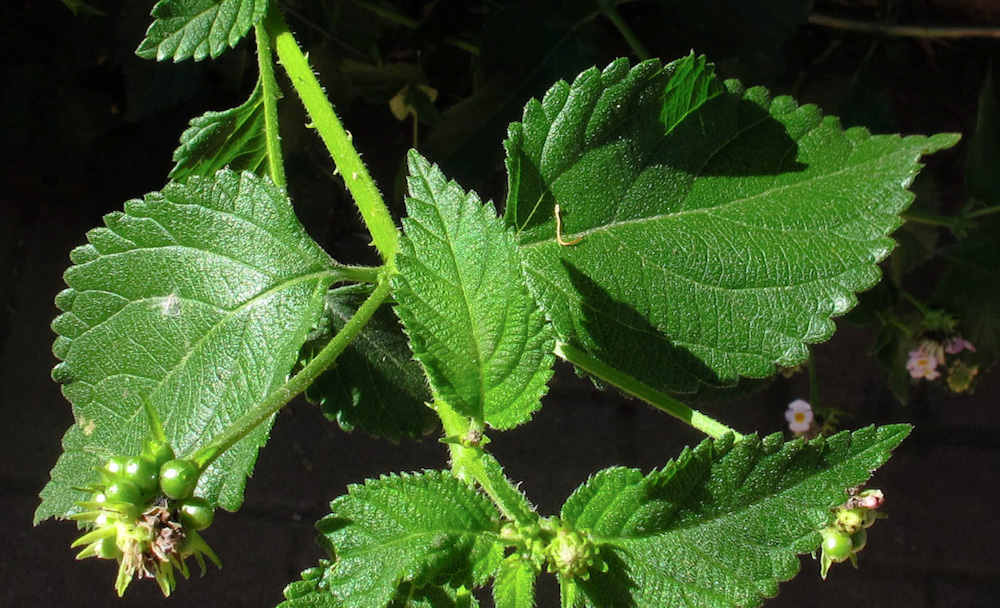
pixel 86 126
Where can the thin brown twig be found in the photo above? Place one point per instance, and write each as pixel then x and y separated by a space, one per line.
pixel 911 31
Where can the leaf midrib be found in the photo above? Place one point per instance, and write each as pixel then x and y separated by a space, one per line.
pixel 702 210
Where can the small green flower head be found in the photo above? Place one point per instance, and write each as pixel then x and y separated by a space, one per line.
pixel 572 554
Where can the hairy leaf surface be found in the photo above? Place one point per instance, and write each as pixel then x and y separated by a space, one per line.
pixel 722 525
pixel 720 231
pixel 197 297
pixel 233 139
pixel 375 384
pixel 426 529
pixel 186 29
pixel 473 325
pixel 515 584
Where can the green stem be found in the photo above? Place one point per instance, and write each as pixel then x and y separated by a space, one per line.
pixel 265 65
pixel 633 41
pixel 813 381
pixel 471 462
pixel 913 300
pixel 985 211
pixel 931 219
pixel 360 274
pixel 298 383
pixel 630 385
pixel 337 140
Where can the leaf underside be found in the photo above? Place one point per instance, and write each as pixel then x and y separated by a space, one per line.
pixel 473 325
pixel 233 139
pixel 376 384
pixel 722 525
pixel 426 529
pixel 197 297
pixel 721 229
pixel 196 29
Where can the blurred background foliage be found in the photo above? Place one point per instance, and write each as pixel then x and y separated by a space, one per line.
pixel 447 76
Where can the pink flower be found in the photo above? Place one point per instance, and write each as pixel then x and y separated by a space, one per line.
pixel 799 416
pixel 957 344
pixel 922 365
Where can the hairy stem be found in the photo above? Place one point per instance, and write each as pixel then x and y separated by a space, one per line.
pixel 298 383
pixel 337 140
pixel 623 28
pixel 705 424
pixel 470 462
pixel 265 66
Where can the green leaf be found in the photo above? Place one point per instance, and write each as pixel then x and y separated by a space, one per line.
pixel 308 593
pixel 479 334
pixel 197 297
pixel 185 29
pixel 981 175
pixel 233 139
pixel 376 384
pixel 748 209
pixel 515 584
pixel 721 525
pixel 426 529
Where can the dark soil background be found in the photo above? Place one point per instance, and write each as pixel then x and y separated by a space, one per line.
pixel 85 126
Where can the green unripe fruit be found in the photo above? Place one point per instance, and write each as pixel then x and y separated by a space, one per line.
pixel 850 521
pixel 858 540
pixel 196 513
pixel 144 473
pixel 836 545
pixel 123 491
pixel 114 469
pixel 178 478
pixel 870 516
pixel 157 451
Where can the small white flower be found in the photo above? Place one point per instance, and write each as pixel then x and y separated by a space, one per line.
pixel 922 364
pixel 799 416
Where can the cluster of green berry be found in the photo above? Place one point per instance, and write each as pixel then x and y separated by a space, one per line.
pixel 848 534
pixel 144 515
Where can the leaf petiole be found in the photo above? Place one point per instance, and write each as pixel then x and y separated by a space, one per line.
pixel 295 385
pixel 265 64
pixel 711 427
